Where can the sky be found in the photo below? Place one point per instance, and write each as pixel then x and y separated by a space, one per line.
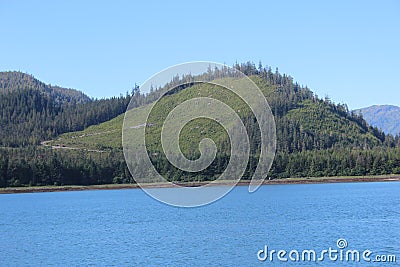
pixel 347 50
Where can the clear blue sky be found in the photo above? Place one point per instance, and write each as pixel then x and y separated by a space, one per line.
pixel 349 50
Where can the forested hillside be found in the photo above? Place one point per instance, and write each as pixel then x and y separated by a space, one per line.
pixel 15 80
pixel 315 137
pixel 32 111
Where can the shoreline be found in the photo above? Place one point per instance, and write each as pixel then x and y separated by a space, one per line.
pixel 284 181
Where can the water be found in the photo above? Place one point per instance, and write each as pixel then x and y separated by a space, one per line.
pixel 128 228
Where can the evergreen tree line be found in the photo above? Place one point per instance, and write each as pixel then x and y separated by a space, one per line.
pixel 28 116
pixel 40 166
pixel 37 166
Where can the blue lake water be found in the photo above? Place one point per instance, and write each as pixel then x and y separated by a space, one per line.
pixel 128 228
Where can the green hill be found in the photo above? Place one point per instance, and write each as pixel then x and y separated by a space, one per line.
pixel 14 80
pixel 307 127
pixel 315 137
pixel 307 124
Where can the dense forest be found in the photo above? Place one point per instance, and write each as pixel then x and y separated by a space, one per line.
pixel 32 112
pixel 315 137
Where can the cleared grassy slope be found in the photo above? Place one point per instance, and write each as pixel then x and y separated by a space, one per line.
pixel 316 118
pixel 108 135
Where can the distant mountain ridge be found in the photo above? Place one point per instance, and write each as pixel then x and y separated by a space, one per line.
pixel 385 117
pixel 16 80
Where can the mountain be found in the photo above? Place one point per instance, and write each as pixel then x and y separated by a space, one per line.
pixel 303 122
pixel 315 137
pixel 385 117
pixel 11 81
pixel 32 111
